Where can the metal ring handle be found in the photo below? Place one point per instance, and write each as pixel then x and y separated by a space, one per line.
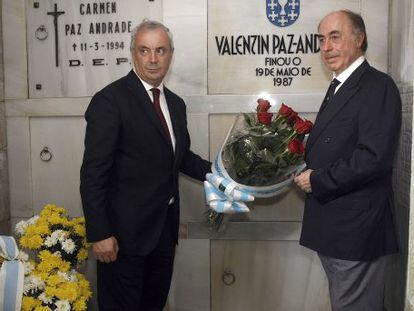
pixel 41 33
pixel 46 155
pixel 228 277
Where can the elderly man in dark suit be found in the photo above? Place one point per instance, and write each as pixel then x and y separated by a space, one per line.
pixel 136 144
pixel 348 216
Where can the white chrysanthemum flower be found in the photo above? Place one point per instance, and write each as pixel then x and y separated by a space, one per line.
pixel 21 227
pixel 50 241
pixel 73 276
pixel 62 305
pixel 23 256
pixel 28 267
pixel 32 282
pixel 59 235
pixel 32 220
pixel 64 275
pixel 27 284
pixel 68 246
pixel 45 298
pixel 38 282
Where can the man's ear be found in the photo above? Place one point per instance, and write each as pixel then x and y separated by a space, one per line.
pixel 360 39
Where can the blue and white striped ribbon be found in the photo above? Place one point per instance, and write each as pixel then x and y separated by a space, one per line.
pixel 11 275
pixel 220 202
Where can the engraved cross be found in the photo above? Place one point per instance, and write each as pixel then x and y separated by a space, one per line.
pixel 55 15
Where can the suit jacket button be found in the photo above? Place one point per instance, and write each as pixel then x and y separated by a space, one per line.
pixel 327 140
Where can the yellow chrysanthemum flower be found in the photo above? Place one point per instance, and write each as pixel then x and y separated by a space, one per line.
pixel 40 308
pixel 40 274
pixel 31 242
pixel 54 280
pixel 80 230
pixel 84 288
pixel 79 220
pixel 45 213
pixel 79 305
pixel 55 209
pixel 82 255
pixel 49 261
pixel 56 220
pixel 29 303
pixel 65 291
pixel 37 229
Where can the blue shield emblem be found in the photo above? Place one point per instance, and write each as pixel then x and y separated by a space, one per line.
pixel 282 13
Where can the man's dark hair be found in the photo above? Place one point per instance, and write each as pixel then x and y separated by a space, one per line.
pixel 359 27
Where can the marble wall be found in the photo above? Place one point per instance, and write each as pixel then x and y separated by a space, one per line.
pixel 4 186
pixel 401 68
pixel 34 123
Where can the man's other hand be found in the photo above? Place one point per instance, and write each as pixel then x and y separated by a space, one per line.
pixel 106 250
pixel 303 181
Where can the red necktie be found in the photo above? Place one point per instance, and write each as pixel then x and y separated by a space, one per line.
pixel 156 101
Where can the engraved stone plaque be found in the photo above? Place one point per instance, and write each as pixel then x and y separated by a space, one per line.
pixel 76 47
pixel 272 45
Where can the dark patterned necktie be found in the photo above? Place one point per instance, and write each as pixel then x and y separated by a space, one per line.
pixel 329 94
pixel 156 102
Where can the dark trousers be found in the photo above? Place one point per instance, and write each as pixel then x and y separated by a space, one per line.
pixel 355 285
pixel 139 283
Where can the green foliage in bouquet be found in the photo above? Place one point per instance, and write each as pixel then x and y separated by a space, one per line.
pixel 266 147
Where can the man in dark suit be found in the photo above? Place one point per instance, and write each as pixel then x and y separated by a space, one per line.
pixel 348 215
pixel 136 144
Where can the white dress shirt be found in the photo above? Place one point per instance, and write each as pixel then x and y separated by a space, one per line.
pixel 344 75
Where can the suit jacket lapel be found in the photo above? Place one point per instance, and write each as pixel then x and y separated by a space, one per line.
pixel 145 103
pixel 342 96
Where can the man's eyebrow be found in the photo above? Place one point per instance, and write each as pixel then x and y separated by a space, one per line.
pixel 333 32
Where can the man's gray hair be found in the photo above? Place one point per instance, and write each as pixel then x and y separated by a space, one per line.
pixel 147 24
pixel 359 27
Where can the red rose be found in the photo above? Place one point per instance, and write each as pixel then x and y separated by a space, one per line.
pixel 295 119
pixel 287 112
pixel 262 105
pixel 295 146
pixel 302 126
pixel 264 117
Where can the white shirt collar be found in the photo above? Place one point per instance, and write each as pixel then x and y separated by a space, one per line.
pixel 344 75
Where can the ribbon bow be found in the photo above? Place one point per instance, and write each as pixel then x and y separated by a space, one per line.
pixel 11 275
pixel 223 196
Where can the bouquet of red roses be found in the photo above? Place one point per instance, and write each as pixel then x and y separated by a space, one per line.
pixel 263 149
pixel 258 158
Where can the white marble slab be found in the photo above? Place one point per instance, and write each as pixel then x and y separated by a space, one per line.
pixel 190 288
pixel 14 48
pixel 294 70
pixel 375 13
pixel 187 21
pixel 267 276
pixel 87 49
pixel 402 41
pixel 57 181
pixel 18 155
pixel 191 191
